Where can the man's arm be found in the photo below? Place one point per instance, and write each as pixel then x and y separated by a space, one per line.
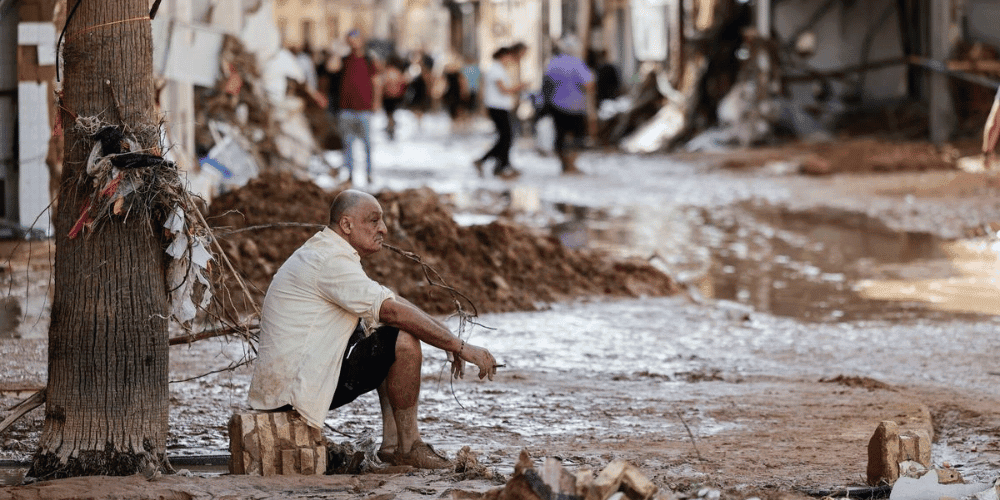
pixel 400 313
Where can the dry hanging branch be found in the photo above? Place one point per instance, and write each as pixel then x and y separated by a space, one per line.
pixel 22 409
pixel 430 274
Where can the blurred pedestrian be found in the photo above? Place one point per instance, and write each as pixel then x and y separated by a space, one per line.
pixel 499 91
pixel 608 78
pixel 358 100
pixel 418 90
pixel 455 94
pixel 393 91
pixel 568 88
pixel 334 68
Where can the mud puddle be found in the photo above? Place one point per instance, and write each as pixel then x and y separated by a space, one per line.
pixel 823 265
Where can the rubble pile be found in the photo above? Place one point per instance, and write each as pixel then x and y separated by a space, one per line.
pixel 620 480
pixel 238 100
pixel 498 267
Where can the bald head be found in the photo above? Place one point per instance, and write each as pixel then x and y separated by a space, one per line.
pixel 345 202
pixel 357 217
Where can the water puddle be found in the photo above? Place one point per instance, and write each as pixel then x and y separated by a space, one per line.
pixel 821 266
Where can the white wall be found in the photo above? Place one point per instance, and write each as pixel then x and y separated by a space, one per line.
pixel 841 34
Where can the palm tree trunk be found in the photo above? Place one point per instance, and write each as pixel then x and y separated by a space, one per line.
pixel 107 395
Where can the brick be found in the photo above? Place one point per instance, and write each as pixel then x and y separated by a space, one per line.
pixel 916 446
pixel 883 454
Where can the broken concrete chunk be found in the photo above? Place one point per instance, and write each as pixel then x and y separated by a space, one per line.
pixel 638 486
pixel 912 469
pixel 928 488
pixel 610 479
pixel 618 481
pixel 623 476
pixel 883 454
pixel 949 476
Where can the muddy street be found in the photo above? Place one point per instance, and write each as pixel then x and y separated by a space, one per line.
pixel 813 308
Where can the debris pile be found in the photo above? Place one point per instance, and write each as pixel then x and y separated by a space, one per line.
pixel 238 100
pixel 258 116
pixel 620 480
pixel 498 267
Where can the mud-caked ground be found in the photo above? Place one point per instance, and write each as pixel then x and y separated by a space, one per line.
pixel 807 310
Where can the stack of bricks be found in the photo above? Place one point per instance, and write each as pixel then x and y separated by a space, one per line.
pixel 275 443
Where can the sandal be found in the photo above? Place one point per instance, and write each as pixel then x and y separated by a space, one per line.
pixel 421 456
pixel 385 455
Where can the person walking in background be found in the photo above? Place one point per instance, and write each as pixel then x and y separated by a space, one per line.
pixel 499 92
pixel 568 88
pixel 359 90
pixel 418 91
pixel 393 91
pixel 455 94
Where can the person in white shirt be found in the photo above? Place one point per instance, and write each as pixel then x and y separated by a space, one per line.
pixel 499 96
pixel 319 348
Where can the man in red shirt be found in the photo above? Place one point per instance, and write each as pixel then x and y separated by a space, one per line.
pixel 359 87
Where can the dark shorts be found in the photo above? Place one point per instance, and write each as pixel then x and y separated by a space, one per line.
pixel 569 124
pixel 366 363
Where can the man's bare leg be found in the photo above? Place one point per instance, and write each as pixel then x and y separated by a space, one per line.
pixel 390 438
pixel 402 390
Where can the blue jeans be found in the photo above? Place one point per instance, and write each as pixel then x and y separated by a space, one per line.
pixel 356 124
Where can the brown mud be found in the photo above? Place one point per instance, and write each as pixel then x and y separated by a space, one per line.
pixel 498 267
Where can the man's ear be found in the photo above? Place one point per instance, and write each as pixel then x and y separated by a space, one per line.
pixel 345 225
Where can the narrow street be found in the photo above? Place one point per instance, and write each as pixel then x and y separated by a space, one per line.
pixel 815 307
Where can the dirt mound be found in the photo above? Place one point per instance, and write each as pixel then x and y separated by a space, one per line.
pixel 499 267
pixel 851 156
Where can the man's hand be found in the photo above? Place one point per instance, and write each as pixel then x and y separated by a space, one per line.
pixel 457 365
pixel 476 355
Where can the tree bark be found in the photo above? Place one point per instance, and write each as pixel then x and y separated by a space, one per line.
pixel 107 406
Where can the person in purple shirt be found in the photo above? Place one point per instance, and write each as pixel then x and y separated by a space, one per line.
pixel 568 88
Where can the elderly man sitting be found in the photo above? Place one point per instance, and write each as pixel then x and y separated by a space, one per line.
pixel 319 347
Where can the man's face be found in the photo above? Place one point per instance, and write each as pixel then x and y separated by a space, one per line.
pixel 355 42
pixel 367 227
